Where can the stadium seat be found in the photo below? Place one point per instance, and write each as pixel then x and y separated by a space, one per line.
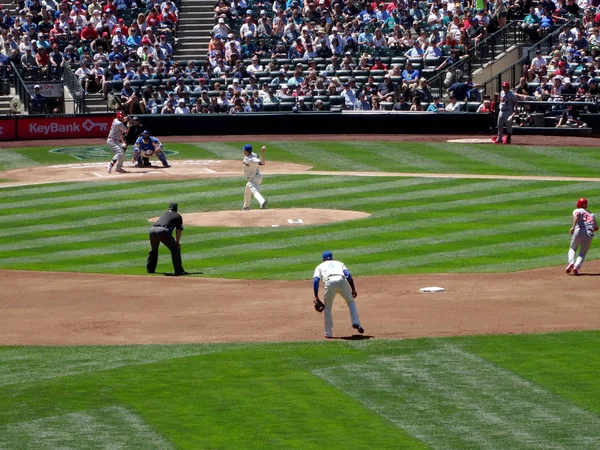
pixel 472 106
pixel 286 106
pixel 336 100
pixel 270 107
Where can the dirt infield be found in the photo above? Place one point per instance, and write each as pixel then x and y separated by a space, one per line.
pixel 46 308
pixel 41 308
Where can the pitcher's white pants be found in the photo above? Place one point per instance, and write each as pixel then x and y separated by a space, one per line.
pixel 253 188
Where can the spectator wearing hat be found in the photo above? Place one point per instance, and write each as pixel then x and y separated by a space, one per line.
pixel 436 105
pixel 221 28
pixel 249 27
pixel 401 104
pixel 37 101
pixel 362 103
pixel 386 89
pixel 476 32
pixel 182 108
pixel 536 64
pixel 456 72
pixel 531 21
pixel 118 38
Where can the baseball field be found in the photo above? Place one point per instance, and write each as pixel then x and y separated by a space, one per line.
pixel 95 353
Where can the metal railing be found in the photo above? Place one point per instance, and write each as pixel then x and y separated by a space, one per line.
pixel 76 90
pixel 488 50
pixel 513 73
pixel 478 56
pixel 21 88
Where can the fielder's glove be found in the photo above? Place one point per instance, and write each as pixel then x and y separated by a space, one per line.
pixel 319 305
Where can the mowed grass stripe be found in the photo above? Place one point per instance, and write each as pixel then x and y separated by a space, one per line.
pixel 563 160
pixel 341 152
pixel 499 163
pixel 452 399
pixel 110 427
pixel 14 159
pixel 312 154
pixel 223 150
pixel 132 198
pixel 386 246
pixel 406 158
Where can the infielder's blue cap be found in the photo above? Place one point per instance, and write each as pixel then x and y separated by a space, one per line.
pixel 327 255
pixel 247 148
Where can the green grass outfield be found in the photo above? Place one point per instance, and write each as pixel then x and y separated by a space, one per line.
pixel 487 392
pixel 417 224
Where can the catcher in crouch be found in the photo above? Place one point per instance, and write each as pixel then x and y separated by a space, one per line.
pixel 337 279
pixel 147 146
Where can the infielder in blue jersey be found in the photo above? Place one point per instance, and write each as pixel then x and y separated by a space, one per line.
pixel 337 280
pixel 147 146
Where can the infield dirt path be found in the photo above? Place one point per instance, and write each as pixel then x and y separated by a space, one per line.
pixel 46 308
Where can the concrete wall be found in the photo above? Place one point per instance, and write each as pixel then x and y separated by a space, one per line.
pixel 509 58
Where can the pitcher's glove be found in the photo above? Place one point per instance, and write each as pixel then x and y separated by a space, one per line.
pixel 319 305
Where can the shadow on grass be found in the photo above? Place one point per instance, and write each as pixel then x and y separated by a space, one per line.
pixel 171 274
pixel 354 337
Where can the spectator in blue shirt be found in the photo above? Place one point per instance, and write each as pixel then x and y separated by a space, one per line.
pixel 410 74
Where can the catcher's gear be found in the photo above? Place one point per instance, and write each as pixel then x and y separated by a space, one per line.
pixel 582 203
pixel 319 305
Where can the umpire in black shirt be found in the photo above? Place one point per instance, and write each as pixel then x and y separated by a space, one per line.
pixel 135 130
pixel 162 231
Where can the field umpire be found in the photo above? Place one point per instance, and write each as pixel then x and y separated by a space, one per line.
pixel 162 231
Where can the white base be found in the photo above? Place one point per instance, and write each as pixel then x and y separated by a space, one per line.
pixel 432 289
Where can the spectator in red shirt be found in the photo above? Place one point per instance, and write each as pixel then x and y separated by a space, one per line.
pixel 89 33
pixel 379 65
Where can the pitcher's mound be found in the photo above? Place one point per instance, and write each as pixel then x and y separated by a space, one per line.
pixel 294 217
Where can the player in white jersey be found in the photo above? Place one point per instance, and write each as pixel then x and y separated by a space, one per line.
pixel 337 279
pixel 116 141
pixel 250 164
pixel 584 225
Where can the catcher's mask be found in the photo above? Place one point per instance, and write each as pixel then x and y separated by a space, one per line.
pixel 327 256
pixel 173 207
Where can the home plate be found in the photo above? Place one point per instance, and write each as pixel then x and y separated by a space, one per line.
pixel 471 141
pixel 432 289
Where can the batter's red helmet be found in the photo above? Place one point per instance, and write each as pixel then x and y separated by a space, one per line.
pixel 121 115
pixel 582 203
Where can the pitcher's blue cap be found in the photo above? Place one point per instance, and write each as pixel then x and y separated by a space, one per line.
pixel 327 255
pixel 247 148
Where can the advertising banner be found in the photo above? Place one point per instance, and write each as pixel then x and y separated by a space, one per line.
pixel 8 129
pixel 50 89
pixel 64 127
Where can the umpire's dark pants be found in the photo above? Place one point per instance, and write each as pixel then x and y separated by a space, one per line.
pixel 158 235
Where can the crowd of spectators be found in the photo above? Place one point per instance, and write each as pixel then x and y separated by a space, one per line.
pixel 319 54
pixel 569 73
pixel 310 54
pixel 106 40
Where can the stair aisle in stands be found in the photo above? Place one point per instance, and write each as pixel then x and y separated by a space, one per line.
pixel 196 21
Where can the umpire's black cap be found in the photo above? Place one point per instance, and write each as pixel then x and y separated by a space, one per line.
pixel 173 207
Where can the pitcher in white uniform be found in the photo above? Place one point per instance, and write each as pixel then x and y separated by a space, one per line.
pixel 116 142
pixel 584 225
pixel 250 164
pixel 337 280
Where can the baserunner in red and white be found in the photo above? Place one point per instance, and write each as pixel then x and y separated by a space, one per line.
pixel 584 225
pixel 116 142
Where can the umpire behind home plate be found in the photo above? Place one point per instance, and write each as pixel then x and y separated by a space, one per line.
pixel 162 231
